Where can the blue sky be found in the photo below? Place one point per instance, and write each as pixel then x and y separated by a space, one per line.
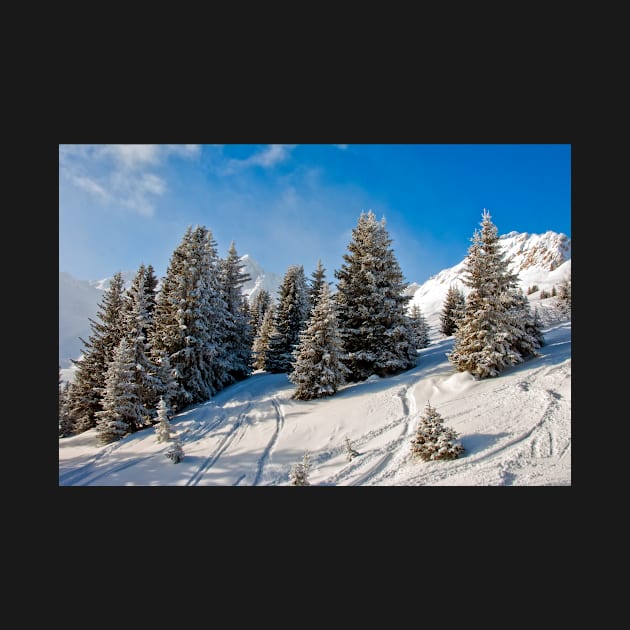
pixel 124 205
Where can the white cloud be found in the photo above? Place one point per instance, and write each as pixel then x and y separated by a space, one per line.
pixel 269 156
pixel 343 147
pixel 132 156
pixel 120 173
pixel 89 184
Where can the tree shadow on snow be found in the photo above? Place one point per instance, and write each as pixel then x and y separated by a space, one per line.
pixel 479 442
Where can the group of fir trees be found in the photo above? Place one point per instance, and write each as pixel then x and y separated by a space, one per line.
pixel 199 334
pixel 182 344
pixel 322 340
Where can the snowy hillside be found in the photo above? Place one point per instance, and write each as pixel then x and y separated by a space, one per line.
pixel 515 429
pixel 538 259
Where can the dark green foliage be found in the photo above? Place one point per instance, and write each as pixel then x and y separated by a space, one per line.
pixel 419 327
pixel 291 316
pixel 372 305
pixel 88 389
pixel 452 311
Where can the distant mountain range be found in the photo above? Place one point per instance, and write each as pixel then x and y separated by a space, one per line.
pixel 539 259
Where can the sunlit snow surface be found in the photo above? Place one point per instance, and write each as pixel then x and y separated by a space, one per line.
pixel 515 428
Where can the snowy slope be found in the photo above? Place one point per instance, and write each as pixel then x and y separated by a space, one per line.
pixel 541 259
pixel 515 428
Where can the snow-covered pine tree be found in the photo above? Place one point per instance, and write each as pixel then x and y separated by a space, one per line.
pixel 526 334
pixel 350 452
pixel 175 451
pixel 372 304
pixel 138 320
pixel 291 315
pixel 261 342
pixel 299 472
pixel 318 280
pixel 237 339
pixel 318 370
pixel 167 377
pixel 163 428
pixel 191 318
pixel 452 311
pixel 66 425
pixel 257 309
pixel 564 299
pixel 535 330
pixel 122 411
pixel 85 398
pixel 486 339
pixel 433 440
pixel 420 327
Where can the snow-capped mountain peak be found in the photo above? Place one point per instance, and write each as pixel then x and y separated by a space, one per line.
pixel 538 259
pixel 544 251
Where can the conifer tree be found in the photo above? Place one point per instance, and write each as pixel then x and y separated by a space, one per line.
pixel 291 316
pixel 175 451
pixel 85 399
pixel 564 299
pixel 191 319
pixel 419 326
pixel 66 425
pixel 138 321
pixel 525 330
pixel 372 304
pixel 452 311
pixel 350 452
pixel 318 370
pixel 122 411
pixel 237 337
pixel 163 428
pixel 167 378
pixel 433 440
pixel 299 472
pixel 258 307
pixel 261 342
pixel 318 280
pixel 488 337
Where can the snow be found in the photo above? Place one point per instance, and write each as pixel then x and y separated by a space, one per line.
pixel 515 428
pixel 538 259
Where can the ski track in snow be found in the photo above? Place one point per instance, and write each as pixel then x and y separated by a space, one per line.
pixel 517 455
pixel 515 430
pixel 235 434
pixel 72 477
pixel 383 454
pixel 272 442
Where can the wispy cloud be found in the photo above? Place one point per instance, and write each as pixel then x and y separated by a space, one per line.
pixel 269 156
pixel 343 147
pixel 122 174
